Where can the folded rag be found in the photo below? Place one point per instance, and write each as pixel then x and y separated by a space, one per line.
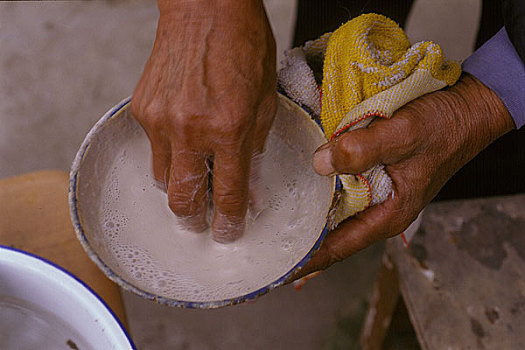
pixel 368 69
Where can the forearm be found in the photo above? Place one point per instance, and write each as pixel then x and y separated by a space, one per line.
pixel 240 10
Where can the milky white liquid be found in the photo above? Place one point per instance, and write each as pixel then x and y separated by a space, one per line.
pixel 140 239
pixel 25 326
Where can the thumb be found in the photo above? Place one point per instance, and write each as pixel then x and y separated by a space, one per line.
pixel 385 141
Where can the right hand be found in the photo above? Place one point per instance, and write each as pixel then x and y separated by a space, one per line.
pixel 208 91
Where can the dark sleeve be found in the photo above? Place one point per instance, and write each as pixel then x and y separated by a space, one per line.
pixel 498 65
pixel 514 19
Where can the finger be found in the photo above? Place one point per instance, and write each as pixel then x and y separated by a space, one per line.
pixel 256 191
pixel 356 233
pixel 160 161
pixel 383 142
pixel 188 187
pixel 160 146
pixel 265 117
pixel 230 194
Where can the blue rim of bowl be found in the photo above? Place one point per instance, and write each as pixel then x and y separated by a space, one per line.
pixel 75 218
pixel 82 283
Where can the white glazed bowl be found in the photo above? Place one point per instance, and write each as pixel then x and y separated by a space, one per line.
pixel 48 307
pixel 107 147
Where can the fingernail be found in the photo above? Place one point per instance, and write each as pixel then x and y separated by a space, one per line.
pixel 226 228
pixel 322 161
pixel 194 223
pixel 299 284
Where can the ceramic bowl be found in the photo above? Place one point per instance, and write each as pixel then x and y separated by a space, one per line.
pixel 123 221
pixel 44 307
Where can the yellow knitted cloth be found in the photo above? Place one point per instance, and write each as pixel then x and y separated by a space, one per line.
pixel 370 70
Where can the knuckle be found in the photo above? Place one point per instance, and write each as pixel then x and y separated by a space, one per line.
pixel 405 123
pixel 229 128
pixel 349 155
pixel 406 127
pixel 187 124
pixel 180 120
pixel 235 117
pixel 150 116
pixel 154 112
pixel 232 202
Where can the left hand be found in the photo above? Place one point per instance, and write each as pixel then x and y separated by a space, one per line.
pixel 422 146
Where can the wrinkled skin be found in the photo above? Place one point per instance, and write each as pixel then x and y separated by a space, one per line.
pixel 422 146
pixel 208 92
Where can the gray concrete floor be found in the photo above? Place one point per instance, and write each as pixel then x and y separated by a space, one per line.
pixel 63 64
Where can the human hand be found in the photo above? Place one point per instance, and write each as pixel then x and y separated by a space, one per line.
pixel 208 92
pixel 422 146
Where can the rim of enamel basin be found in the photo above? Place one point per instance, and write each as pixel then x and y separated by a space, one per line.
pixel 75 218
